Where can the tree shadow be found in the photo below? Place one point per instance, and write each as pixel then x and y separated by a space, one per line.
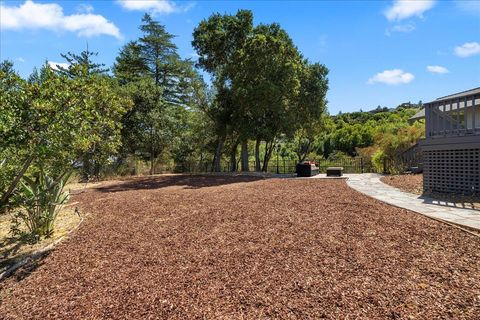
pixel 11 245
pixel 31 263
pixel 185 181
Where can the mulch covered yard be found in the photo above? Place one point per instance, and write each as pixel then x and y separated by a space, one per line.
pixel 237 247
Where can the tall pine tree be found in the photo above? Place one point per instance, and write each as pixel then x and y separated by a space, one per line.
pixel 84 61
pixel 159 114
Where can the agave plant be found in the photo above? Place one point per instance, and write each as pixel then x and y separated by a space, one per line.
pixel 41 199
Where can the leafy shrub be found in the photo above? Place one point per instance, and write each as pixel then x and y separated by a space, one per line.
pixel 338 156
pixel 393 144
pixel 378 159
pixel 40 201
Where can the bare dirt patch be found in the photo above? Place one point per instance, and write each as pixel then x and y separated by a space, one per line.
pixel 241 247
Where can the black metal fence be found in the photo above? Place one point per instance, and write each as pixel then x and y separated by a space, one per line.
pixel 281 166
pixel 402 163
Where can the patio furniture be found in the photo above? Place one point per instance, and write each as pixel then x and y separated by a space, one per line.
pixel 334 171
pixel 307 169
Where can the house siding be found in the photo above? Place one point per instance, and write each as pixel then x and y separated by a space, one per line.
pixel 451 149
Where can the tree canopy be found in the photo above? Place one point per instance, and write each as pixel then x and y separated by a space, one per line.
pixel 261 81
pixel 55 120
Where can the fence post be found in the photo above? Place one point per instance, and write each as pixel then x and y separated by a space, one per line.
pixel 361 164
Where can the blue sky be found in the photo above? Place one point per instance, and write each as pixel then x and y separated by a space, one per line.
pixel 378 52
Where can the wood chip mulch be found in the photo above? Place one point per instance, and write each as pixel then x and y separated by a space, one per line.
pixel 412 183
pixel 211 247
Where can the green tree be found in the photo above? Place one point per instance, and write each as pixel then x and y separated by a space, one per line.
pixel 151 125
pixel 218 40
pixel 163 87
pixel 258 75
pixel 129 65
pixel 312 105
pixel 85 60
pixel 158 51
pixel 82 65
pixel 53 121
pixel 14 161
pixel 267 89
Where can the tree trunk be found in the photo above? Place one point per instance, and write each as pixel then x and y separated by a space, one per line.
pixel 245 166
pixel 97 170
pixel 233 157
pixel 269 146
pixel 86 167
pixel 257 154
pixel 303 151
pixel 6 196
pixel 152 151
pixel 152 161
pixel 218 155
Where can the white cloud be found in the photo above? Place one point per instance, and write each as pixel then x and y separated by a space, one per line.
pixel 89 25
pixel 84 8
pixel 437 69
pixel 156 6
pixel 405 28
pixel 392 77
pixel 20 59
pixel 409 27
pixel 31 15
pixel 55 65
pixel 403 9
pixel 467 49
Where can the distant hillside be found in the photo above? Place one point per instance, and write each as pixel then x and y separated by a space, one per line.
pixel 349 132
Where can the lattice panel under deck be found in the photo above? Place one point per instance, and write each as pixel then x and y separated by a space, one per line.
pixel 454 171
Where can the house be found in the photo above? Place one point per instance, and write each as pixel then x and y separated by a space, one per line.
pixel 451 148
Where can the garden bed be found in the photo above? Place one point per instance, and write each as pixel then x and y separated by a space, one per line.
pixel 185 247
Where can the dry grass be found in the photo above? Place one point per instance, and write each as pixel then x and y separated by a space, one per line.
pixel 13 250
pixel 248 248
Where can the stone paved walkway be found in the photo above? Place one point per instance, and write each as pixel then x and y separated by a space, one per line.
pixel 370 184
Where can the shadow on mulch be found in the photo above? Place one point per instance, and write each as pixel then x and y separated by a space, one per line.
pixel 27 269
pixel 187 181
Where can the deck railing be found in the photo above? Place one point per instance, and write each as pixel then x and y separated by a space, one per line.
pixel 453 117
